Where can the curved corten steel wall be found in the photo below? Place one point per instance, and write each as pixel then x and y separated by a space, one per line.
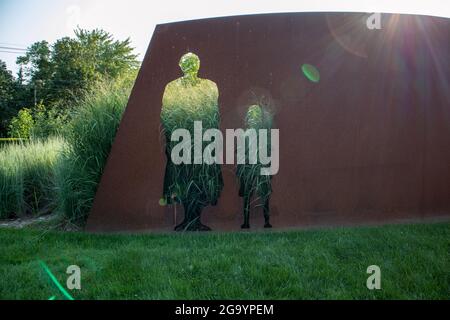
pixel 370 142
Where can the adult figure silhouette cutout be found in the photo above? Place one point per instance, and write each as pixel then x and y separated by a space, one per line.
pixel 185 100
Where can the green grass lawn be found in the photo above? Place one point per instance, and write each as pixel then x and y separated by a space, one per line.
pixel 313 264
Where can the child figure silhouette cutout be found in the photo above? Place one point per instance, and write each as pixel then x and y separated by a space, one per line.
pixel 251 182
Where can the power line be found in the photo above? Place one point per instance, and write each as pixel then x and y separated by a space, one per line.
pixel 12 44
pixel 15 52
pixel 13 48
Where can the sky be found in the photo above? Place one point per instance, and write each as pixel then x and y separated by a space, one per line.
pixel 23 22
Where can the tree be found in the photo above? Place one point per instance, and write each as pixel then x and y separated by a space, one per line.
pixel 58 73
pixel 36 63
pixel 35 69
pixel 7 93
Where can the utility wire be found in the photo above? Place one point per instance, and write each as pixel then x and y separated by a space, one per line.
pixel 13 48
pixel 15 52
pixel 12 44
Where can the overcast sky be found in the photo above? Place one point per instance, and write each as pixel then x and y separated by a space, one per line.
pixel 23 22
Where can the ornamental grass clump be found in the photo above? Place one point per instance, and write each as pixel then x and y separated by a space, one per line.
pixel 251 181
pixel 90 135
pixel 186 100
pixel 27 177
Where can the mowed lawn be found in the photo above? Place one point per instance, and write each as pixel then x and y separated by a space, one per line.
pixel 311 264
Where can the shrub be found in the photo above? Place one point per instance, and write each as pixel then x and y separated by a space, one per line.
pixel 21 125
pixel 39 122
pixel 48 121
pixel 89 136
pixel 27 177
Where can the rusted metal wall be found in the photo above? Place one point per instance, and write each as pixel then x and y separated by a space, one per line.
pixel 368 143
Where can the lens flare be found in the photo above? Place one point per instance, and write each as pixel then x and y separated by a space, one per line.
pixel 162 202
pixel 55 281
pixel 311 72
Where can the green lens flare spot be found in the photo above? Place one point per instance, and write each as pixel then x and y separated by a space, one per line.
pixel 311 72
pixel 55 281
pixel 162 202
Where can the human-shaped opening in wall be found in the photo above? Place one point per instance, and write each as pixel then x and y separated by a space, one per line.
pixel 195 185
pixel 251 181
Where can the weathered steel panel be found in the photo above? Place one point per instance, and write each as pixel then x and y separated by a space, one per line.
pixel 370 142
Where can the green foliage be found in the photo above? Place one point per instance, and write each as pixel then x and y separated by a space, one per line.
pixel 105 56
pixel 27 177
pixel 312 264
pixel 57 74
pixel 7 141
pixel 60 72
pixel 183 104
pixel 186 100
pixel 6 85
pixel 37 64
pixel 250 179
pixel 21 125
pixel 7 96
pixel 48 122
pixel 190 65
pixel 89 136
pixel 36 175
pixel 39 122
